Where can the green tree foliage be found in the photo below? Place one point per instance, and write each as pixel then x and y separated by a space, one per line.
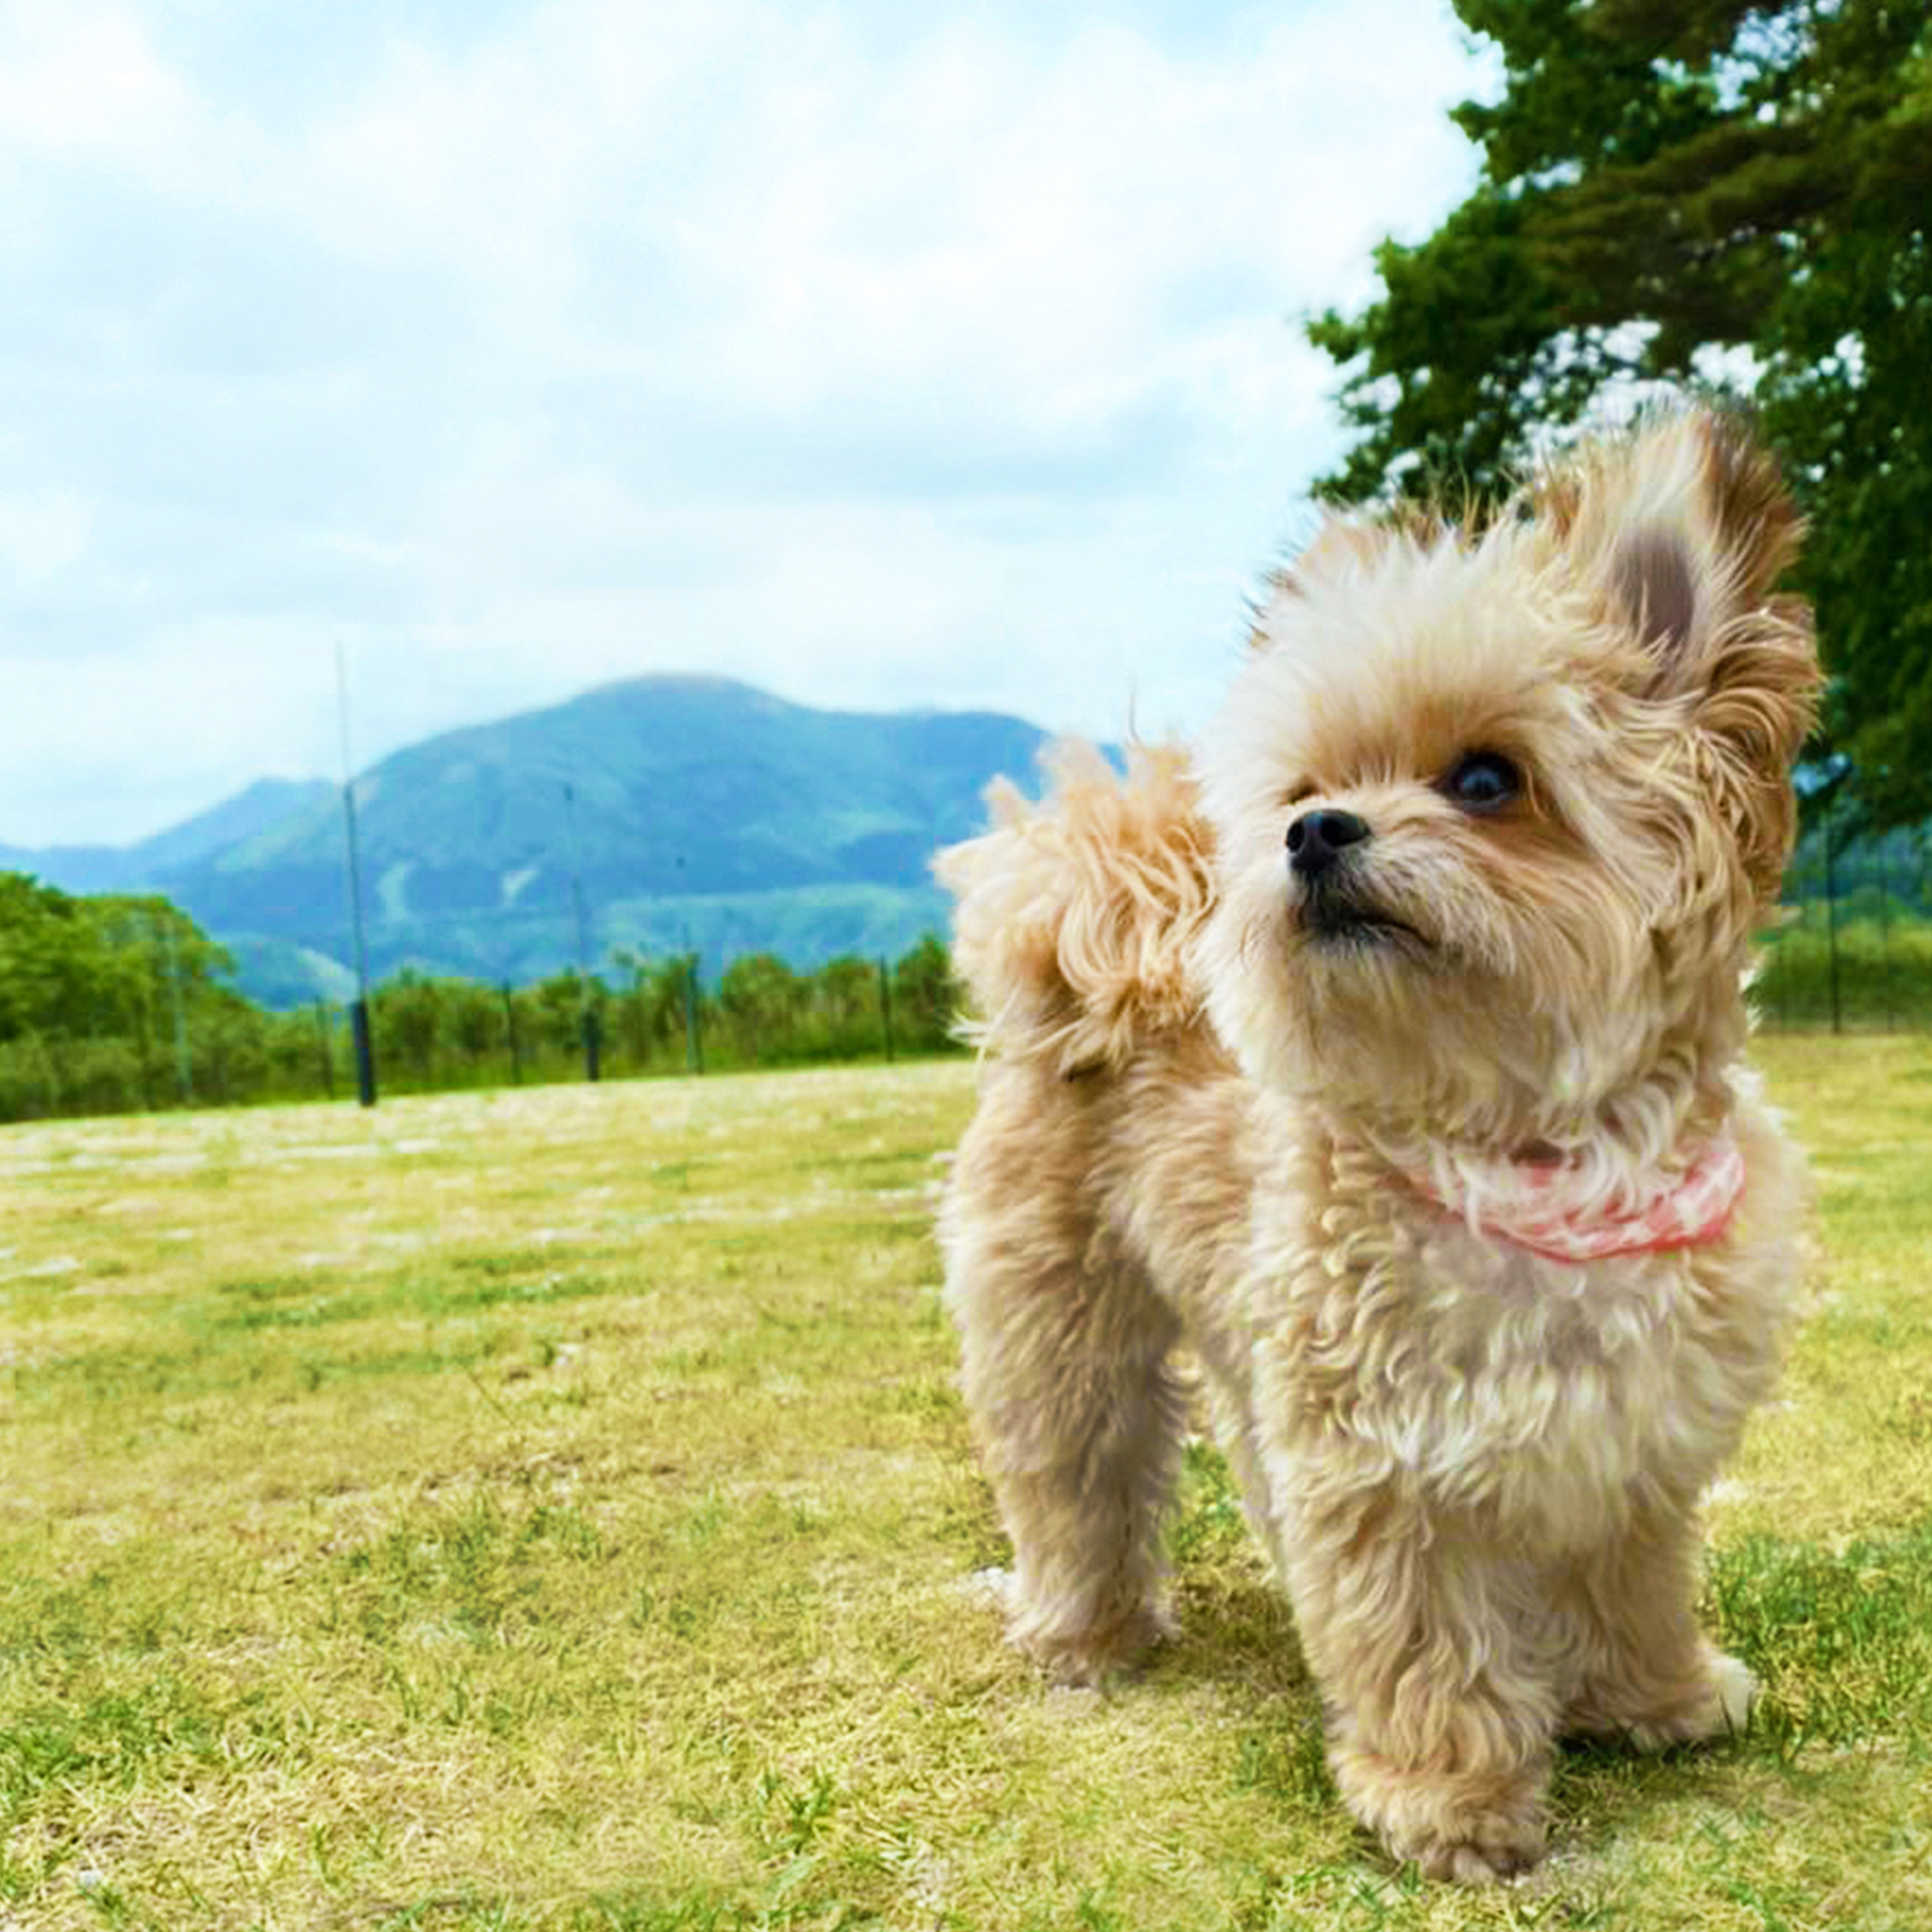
pixel 409 1019
pixel 927 999
pixel 650 1016
pixel 104 1003
pixel 100 997
pixel 762 996
pixel 1663 181
pixel 54 972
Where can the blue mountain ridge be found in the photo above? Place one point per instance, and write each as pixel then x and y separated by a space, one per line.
pixel 698 813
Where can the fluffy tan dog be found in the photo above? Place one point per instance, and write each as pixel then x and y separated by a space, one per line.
pixel 1389 1058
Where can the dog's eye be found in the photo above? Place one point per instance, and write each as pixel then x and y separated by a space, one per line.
pixel 1482 781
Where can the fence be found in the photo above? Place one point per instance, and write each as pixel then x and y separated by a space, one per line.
pixel 436 1034
pixel 1854 951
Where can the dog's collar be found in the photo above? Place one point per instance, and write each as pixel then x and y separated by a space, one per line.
pixel 1530 1208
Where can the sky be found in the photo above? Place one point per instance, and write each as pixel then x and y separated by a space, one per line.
pixel 884 357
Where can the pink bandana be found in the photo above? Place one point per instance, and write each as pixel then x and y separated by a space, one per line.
pixel 1691 1211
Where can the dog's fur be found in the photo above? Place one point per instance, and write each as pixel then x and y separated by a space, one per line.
pixel 1214 1093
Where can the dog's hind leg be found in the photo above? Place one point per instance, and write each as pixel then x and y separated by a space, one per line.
pixel 1077 1407
pixel 1080 1415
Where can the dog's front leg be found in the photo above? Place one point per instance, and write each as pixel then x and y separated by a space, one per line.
pixel 1435 1660
pixel 1648 1673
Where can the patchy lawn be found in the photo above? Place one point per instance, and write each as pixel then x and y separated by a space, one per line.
pixel 553 1510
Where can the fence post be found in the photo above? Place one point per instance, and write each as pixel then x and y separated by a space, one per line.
pixel 509 1029
pixel 1831 914
pixel 1885 934
pixel 693 1036
pixel 184 1065
pixel 365 1051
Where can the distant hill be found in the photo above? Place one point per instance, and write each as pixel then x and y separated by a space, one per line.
pixel 693 807
pixel 134 868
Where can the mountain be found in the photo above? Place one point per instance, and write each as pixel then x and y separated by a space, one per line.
pixel 131 868
pixel 694 811
pixel 267 803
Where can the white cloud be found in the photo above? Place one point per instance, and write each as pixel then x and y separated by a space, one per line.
pixel 79 78
pixel 39 536
pixel 881 358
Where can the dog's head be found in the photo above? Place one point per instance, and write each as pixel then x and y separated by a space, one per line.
pixel 1498 811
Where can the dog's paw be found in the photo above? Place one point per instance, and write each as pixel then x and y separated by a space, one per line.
pixel 990 1589
pixel 1499 1848
pixel 1722 1710
pixel 1737 1693
pixel 1467 1831
pixel 1465 1845
pixel 1092 1656
pixel 1079 1657
pixel 1712 1696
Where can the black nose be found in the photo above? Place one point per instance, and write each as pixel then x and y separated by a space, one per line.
pixel 1318 839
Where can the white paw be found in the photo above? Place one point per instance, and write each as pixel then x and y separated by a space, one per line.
pixel 1723 1710
pixel 991 1588
pixel 1737 1691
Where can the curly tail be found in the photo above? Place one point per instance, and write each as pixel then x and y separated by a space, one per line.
pixel 1075 915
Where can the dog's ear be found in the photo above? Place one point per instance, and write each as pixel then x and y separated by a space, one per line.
pixel 1683 527
pixel 1680 532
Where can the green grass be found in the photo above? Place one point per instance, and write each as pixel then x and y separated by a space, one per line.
pixel 553 1510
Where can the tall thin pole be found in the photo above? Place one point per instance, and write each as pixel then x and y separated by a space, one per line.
pixel 1831 911
pixel 587 1018
pixel 184 1068
pixel 509 1029
pixel 1885 933
pixel 326 1058
pixel 693 1036
pixel 358 1012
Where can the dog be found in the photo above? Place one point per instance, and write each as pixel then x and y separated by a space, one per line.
pixel 1384 1058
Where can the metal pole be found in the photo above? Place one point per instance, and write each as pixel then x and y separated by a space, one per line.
pixel 586 1017
pixel 1885 933
pixel 693 1039
pixel 184 1070
pixel 1831 914
pixel 509 1027
pixel 359 1010
pixel 326 1049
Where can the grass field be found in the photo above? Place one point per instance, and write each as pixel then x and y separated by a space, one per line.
pixel 553 1510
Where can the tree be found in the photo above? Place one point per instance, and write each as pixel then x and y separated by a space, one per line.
pixel 650 1013
pixel 562 1000
pixel 58 973
pixel 473 1023
pixel 166 990
pixel 761 995
pixel 927 999
pixel 846 994
pixel 98 996
pixel 1725 191
pixel 409 1021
